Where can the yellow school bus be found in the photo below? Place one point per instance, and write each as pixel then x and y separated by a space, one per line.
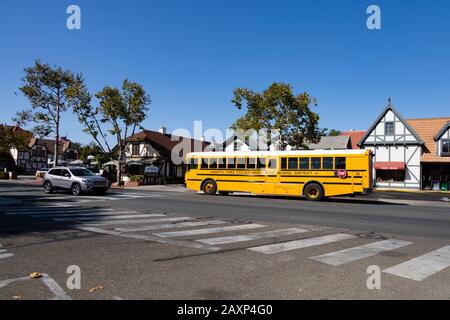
pixel 314 174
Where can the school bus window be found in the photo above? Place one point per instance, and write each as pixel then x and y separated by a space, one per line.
pixel 316 163
pixel 261 163
pixel 213 163
pixel 293 164
pixel 283 163
pixel 340 163
pixel 304 163
pixel 231 163
pixel 272 164
pixel 204 163
pixel 222 163
pixel 251 163
pixel 241 163
pixel 192 164
pixel 327 163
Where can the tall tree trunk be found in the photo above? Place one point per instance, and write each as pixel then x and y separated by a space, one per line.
pixel 55 160
pixel 120 166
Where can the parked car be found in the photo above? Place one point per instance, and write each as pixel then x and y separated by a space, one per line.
pixel 41 172
pixel 77 180
pixel 98 172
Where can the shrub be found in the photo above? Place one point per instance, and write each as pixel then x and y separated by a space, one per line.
pixel 138 178
pixel 4 175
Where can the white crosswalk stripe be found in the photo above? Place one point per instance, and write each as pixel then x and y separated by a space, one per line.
pixel 3 254
pixel 86 214
pixel 252 236
pixel 357 253
pixel 170 226
pixel 57 211
pixel 300 244
pixel 173 234
pixel 111 217
pixel 107 223
pixel 422 267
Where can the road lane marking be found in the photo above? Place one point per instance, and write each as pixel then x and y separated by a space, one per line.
pixel 424 266
pixel 106 223
pixel 252 236
pixel 170 226
pixel 5 255
pixel 189 244
pixel 338 258
pixel 102 217
pixel 173 234
pixel 54 287
pixel 300 244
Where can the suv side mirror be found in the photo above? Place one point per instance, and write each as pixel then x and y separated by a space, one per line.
pixel 67 175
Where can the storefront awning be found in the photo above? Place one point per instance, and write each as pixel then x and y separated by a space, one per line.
pixel 390 166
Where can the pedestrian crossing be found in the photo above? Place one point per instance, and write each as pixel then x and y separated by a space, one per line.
pixel 4 254
pixel 68 200
pixel 211 234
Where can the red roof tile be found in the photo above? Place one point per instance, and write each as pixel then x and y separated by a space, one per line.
pixel 355 137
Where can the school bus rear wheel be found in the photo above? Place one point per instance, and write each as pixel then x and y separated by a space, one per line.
pixel 209 187
pixel 313 192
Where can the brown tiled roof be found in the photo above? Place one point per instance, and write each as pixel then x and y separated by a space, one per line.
pixel 427 129
pixel 163 142
pixel 355 137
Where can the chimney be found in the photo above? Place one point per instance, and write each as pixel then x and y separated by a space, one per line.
pixel 162 130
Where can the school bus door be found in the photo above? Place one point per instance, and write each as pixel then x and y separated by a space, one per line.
pixel 272 177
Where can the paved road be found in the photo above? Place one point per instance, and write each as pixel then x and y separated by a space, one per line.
pixel 169 244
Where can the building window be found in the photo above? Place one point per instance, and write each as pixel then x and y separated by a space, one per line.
pixel 390 175
pixel 135 150
pixel 389 128
pixel 445 148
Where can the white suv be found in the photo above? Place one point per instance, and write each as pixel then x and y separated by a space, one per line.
pixel 75 179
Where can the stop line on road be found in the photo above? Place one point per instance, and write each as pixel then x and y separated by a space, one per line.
pixel 159 227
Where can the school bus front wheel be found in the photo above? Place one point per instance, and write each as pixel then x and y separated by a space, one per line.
pixel 209 187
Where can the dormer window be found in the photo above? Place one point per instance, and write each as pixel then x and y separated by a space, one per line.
pixel 389 128
pixel 136 149
pixel 445 148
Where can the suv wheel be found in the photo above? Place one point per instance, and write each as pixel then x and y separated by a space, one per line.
pixel 48 187
pixel 76 189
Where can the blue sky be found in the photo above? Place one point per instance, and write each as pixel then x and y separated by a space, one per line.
pixel 190 55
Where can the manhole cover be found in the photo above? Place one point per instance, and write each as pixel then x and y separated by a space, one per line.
pixel 371 236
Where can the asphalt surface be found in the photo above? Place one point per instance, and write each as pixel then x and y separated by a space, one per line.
pixel 122 255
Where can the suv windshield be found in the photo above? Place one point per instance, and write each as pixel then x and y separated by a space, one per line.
pixel 81 172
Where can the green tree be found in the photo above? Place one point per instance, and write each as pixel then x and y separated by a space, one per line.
pixel 10 140
pixel 278 108
pixel 51 91
pixel 332 132
pixel 93 149
pixel 119 113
